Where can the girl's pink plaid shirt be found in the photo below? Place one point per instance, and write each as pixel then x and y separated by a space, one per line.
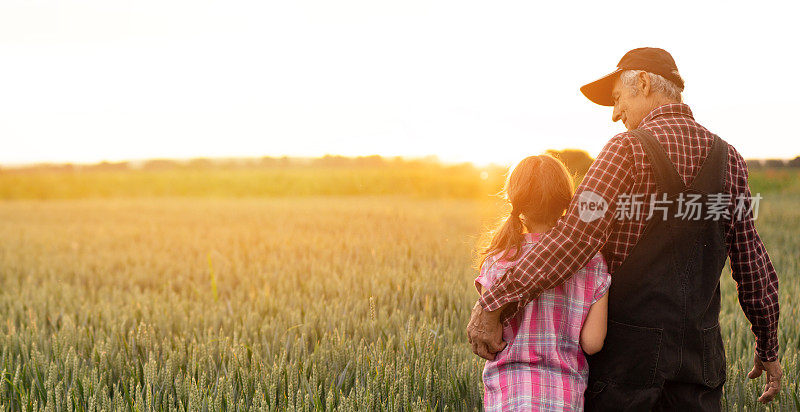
pixel 543 367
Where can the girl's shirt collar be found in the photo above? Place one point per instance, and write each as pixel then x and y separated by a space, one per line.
pixel 532 237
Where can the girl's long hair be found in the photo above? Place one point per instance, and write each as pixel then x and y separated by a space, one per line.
pixel 539 190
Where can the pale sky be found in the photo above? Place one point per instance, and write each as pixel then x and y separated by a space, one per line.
pixel 491 81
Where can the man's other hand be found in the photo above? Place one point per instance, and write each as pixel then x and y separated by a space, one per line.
pixel 774 374
pixel 485 332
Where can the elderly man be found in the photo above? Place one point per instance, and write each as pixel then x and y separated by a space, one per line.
pixel 663 349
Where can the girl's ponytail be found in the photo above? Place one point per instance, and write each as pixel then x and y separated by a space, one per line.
pixel 509 236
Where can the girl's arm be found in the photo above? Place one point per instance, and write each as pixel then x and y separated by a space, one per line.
pixel 593 332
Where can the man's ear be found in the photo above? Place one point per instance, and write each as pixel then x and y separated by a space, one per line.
pixel 643 82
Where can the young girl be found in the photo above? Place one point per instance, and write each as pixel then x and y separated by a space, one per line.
pixel 543 366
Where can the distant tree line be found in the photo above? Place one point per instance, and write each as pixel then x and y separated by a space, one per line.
pixel 577 161
pixel 327 161
pixel 753 164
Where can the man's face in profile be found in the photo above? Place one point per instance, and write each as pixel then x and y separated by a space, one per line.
pixel 630 105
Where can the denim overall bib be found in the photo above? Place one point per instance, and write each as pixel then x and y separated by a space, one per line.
pixel 663 349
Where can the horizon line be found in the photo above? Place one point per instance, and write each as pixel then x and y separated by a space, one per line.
pixel 432 158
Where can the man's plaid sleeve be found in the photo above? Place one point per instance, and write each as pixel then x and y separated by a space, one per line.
pixel 751 267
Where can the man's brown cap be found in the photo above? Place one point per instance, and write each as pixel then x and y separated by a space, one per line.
pixel 649 59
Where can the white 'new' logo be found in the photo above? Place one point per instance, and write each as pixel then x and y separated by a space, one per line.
pixel 591 206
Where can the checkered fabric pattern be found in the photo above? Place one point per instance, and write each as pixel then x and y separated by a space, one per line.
pixel 543 367
pixel 623 168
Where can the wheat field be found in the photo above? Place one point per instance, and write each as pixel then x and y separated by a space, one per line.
pixel 280 303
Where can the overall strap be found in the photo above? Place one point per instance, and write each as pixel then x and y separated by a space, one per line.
pixel 713 172
pixel 667 177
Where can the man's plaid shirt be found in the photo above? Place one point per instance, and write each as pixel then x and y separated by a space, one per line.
pixel 622 168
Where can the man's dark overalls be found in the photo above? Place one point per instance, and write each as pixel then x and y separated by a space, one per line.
pixel 663 349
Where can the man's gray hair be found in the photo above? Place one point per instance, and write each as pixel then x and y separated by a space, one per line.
pixel 657 83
